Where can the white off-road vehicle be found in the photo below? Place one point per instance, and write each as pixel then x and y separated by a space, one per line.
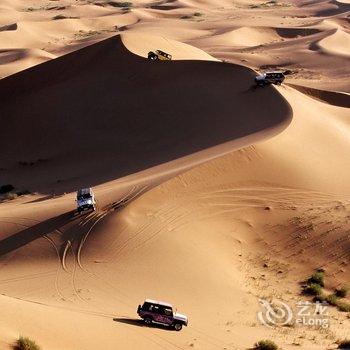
pixel 267 78
pixel 85 200
pixel 153 311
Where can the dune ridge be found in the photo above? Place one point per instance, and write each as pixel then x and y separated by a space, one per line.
pixel 211 194
pixel 122 75
pixel 332 97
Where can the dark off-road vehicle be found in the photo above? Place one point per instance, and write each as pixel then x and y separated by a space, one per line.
pixel 270 78
pixel 159 55
pixel 161 312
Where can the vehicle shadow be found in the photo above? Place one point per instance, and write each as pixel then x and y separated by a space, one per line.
pixel 140 323
pixel 42 199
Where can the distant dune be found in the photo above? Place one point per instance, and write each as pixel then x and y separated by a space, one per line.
pixel 212 194
pixel 339 43
pixel 332 97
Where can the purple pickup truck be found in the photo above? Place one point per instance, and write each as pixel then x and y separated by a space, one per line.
pixel 163 313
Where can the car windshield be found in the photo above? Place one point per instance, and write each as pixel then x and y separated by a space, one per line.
pixel 84 196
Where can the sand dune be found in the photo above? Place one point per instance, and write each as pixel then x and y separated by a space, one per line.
pixel 332 97
pixel 142 44
pixel 120 77
pixel 337 43
pixel 210 193
pixel 17 59
pixel 212 218
pixel 237 25
pixel 241 37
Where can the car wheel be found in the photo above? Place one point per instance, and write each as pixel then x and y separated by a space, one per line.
pixel 178 326
pixel 148 321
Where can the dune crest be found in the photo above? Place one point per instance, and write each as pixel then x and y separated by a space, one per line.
pixel 337 43
pixel 209 98
pixel 141 44
pixel 332 97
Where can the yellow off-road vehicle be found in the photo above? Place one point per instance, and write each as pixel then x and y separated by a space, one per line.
pixel 159 55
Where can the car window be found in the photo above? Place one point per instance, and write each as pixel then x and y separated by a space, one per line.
pixel 155 309
pixel 168 312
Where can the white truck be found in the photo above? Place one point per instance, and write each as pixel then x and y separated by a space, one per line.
pixel 268 78
pixel 85 200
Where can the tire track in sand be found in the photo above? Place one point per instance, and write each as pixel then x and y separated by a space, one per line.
pixel 131 195
pixel 52 243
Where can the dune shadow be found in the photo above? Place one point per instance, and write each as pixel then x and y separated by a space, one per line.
pixel 110 117
pixel 9 27
pixel 164 7
pixel 334 98
pixel 296 32
pixel 34 232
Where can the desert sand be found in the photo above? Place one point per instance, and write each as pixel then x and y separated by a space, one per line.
pixel 211 193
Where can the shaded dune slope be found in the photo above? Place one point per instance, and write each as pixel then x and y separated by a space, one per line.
pixel 104 111
pixel 332 97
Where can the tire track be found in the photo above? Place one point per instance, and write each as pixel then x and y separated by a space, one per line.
pixel 74 275
pixel 81 244
pixel 59 264
pixel 131 195
pixel 27 277
pixel 115 290
pixel 64 266
pixel 87 219
pixel 52 243
pixel 131 238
